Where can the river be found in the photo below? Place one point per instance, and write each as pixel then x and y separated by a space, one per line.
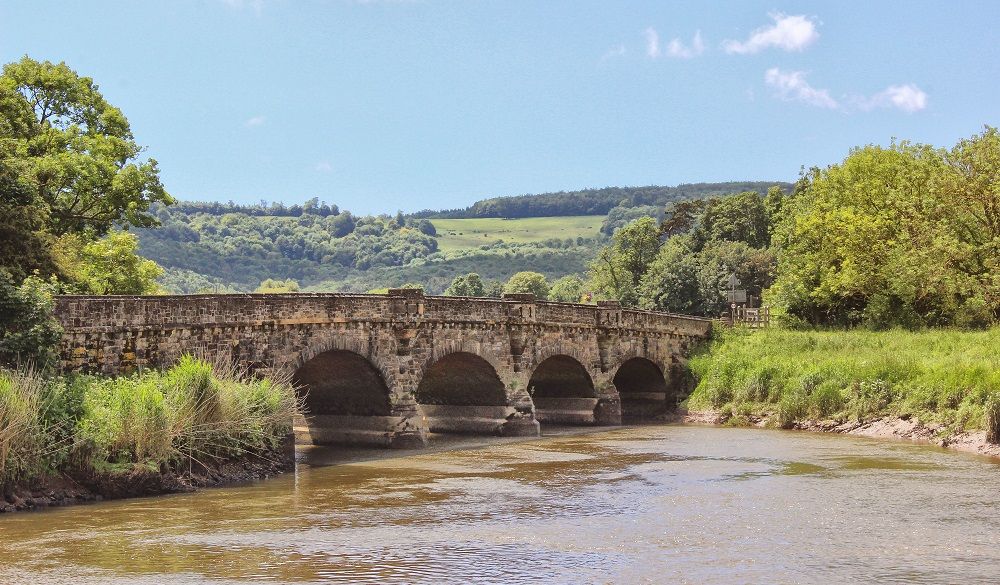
pixel 648 504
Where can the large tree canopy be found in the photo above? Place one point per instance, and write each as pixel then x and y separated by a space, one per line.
pixel 72 152
pixel 904 235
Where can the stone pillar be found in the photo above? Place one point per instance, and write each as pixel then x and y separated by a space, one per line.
pixel 521 422
pixel 608 411
pixel 410 431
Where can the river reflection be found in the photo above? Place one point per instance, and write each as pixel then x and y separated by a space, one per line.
pixel 647 504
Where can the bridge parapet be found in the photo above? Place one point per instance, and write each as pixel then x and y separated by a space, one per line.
pixel 110 313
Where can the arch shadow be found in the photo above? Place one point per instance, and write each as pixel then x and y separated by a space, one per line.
pixel 346 400
pixel 462 393
pixel 563 392
pixel 643 389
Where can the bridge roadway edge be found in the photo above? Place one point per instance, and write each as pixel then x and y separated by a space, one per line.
pixel 402 335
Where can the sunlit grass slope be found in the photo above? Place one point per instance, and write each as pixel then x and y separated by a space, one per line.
pixel 944 376
pixel 462 234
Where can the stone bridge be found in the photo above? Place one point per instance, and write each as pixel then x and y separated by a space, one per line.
pixel 388 369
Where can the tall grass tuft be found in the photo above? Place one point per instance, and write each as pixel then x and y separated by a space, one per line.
pixel 21 433
pixel 991 412
pixel 193 412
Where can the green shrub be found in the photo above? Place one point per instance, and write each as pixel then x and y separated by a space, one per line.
pixel 126 421
pixel 28 330
pixel 826 400
pixel 791 408
pixel 938 375
pixel 969 415
pixel 870 398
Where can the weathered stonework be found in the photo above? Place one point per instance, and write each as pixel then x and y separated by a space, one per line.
pixel 620 358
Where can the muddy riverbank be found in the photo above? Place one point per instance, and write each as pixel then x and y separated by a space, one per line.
pixel 91 486
pixel 910 429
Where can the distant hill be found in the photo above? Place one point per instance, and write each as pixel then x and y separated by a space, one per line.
pixel 595 201
pixel 208 246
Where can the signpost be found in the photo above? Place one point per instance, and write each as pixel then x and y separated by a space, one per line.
pixel 742 311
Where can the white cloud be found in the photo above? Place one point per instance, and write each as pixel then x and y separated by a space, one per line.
pixel 791 33
pixel 652 43
pixel 323 167
pixel 792 86
pixel 255 121
pixel 908 98
pixel 677 49
pixel 613 52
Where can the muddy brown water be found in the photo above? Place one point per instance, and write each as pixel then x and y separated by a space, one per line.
pixel 649 504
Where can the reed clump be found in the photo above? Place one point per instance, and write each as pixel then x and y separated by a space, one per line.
pixel 194 411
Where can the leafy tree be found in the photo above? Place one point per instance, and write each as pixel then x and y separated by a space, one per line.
pixel 892 236
pixel 28 330
pixel 425 227
pixel 681 217
pixel 80 158
pixel 341 224
pixel 672 282
pixel 493 289
pixel 619 267
pixel 469 285
pixel 690 277
pixel 971 188
pixel 621 216
pixel 568 289
pixel 272 286
pixel 24 245
pixel 736 218
pixel 528 282
pixel 110 266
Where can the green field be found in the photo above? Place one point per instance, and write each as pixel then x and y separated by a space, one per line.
pixel 462 234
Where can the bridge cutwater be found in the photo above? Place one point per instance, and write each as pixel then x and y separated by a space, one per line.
pixel 389 369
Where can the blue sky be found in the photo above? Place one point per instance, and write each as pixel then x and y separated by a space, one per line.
pixel 385 105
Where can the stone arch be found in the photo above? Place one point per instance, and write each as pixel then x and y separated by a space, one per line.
pixel 352 344
pixel 561 375
pixel 348 401
pixel 461 379
pixel 461 392
pixel 342 382
pixel 563 391
pixel 642 388
pixel 443 347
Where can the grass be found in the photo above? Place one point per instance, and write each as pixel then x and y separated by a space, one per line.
pixel 194 411
pixel 949 377
pixel 464 234
pixel 21 398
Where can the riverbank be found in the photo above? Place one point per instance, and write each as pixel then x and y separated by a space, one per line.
pixel 85 487
pixel 67 440
pixel 888 427
pixel 935 386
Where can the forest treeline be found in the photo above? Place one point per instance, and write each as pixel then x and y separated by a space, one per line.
pixel 593 201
